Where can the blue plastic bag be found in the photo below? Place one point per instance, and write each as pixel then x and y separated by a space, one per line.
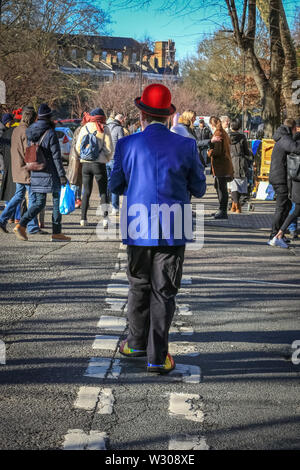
pixel 66 200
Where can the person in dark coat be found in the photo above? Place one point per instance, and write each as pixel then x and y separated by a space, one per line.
pixel 117 132
pixel 48 180
pixel 8 187
pixel 20 175
pixel 240 156
pixel 295 212
pixel 204 136
pixel 284 144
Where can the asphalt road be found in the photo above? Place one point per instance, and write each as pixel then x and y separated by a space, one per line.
pixel 242 317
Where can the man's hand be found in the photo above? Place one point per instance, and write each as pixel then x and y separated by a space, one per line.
pixel 63 180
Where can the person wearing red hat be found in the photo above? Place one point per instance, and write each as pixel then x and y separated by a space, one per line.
pixel 155 170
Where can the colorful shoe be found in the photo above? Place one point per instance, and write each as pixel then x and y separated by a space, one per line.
pixel 125 350
pixel 78 203
pixel 163 368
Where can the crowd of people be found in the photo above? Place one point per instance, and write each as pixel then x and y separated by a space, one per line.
pixel 161 162
pixel 221 146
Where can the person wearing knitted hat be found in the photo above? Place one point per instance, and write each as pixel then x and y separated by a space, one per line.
pixel 48 180
pixel 158 171
pixel 95 123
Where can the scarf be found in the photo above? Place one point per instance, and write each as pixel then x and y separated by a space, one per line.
pixel 98 120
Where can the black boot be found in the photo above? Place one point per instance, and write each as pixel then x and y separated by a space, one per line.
pixel 221 215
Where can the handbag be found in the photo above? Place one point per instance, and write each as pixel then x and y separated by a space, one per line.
pixel 66 200
pixel 34 156
pixel 293 167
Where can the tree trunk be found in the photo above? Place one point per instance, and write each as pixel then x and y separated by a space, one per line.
pixel 271 111
pixel 290 74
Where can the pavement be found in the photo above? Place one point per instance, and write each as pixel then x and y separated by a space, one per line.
pixel 63 314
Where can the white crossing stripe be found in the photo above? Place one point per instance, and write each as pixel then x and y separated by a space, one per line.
pixel 184 309
pixel 188 443
pixel 115 371
pixel 98 367
pixel 118 289
pixel 115 303
pixel 123 247
pixel 187 406
pixel 189 373
pixel 110 323
pixel 180 329
pixel 122 255
pixel 106 402
pixel 87 398
pixel 106 342
pixel 76 439
pixel 120 276
pixel 183 348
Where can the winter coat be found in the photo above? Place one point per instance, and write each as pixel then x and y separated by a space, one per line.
pixel 116 131
pixel 104 141
pixel 74 171
pixel 295 185
pixel 8 187
pixel 219 153
pixel 48 180
pixel 152 168
pixel 284 144
pixel 203 133
pixel 18 146
pixel 240 154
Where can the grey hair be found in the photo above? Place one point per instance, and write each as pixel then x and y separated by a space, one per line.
pixel 28 115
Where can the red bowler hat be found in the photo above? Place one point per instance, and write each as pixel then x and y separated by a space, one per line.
pixel 156 101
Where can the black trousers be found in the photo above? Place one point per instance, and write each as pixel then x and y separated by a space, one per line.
pixel 154 275
pixel 282 209
pixel 222 192
pixel 89 171
pixel 291 217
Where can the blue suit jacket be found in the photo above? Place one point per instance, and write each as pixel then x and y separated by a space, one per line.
pixel 153 168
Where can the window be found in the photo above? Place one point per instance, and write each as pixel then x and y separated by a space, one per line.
pixel 73 53
pixel 133 58
pixel 104 55
pixel 120 56
pixel 89 56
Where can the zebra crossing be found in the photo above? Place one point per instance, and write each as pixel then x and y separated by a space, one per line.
pixel 107 371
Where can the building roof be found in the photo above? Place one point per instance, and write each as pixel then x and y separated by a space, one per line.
pixel 108 42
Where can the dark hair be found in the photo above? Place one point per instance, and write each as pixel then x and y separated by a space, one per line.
pixel 150 119
pixel 235 124
pixel 290 122
pixel 201 121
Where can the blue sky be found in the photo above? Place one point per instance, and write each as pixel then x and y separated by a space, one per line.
pixel 185 29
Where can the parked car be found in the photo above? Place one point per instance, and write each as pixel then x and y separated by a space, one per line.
pixel 71 123
pixel 65 136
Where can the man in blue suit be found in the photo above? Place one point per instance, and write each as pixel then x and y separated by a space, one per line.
pixel 157 171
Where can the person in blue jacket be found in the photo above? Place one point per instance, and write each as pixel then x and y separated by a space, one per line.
pixel 48 180
pixel 157 171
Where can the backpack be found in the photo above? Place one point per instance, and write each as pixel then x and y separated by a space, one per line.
pixel 89 147
pixel 34 156
pixel 293 167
